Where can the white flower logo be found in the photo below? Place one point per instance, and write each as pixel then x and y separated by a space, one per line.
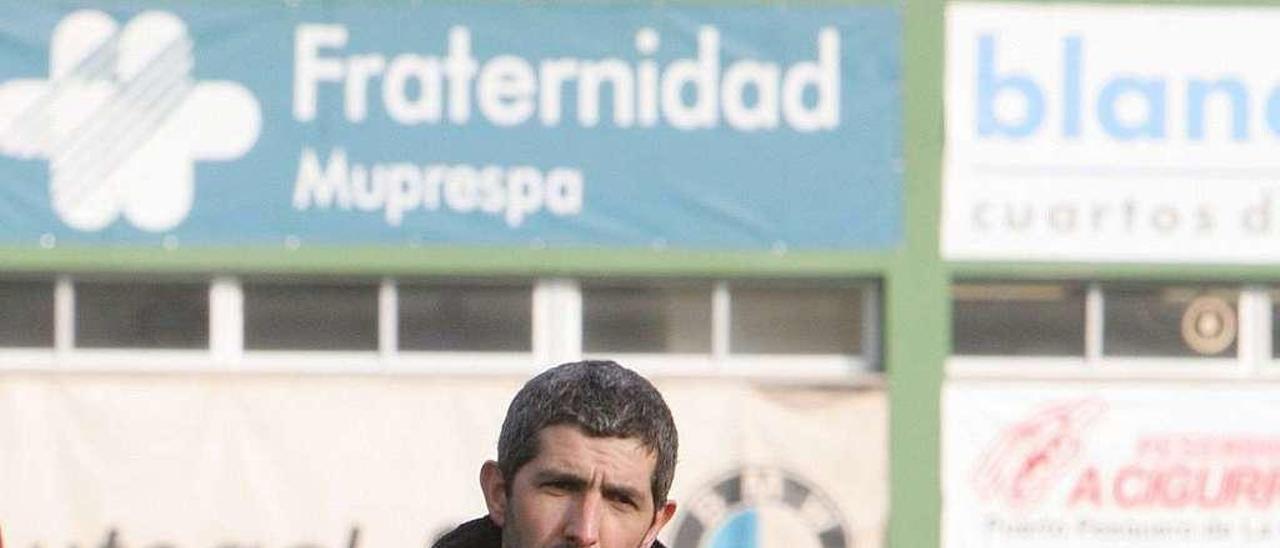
pixel 121 121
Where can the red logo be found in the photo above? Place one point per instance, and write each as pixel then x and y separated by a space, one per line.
pixel 1036 454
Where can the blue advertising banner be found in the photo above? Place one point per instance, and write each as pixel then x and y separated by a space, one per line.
pixel 387 124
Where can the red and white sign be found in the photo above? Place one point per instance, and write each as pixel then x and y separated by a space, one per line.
pixel 1048 466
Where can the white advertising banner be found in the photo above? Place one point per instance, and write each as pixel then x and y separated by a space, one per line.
pixel 1111 133
pixel 1051 466
pixel 224 461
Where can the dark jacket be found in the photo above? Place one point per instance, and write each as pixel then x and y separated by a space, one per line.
pixel 480 533
pixel 477 533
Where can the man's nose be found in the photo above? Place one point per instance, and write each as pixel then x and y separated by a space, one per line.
pixel 583 527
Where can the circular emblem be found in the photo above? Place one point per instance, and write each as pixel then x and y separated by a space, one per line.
pixel 1209 325
pixel 761 506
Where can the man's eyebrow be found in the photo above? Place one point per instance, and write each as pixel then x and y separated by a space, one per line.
pixel 614 490
pixel 579 482
pixel 560 476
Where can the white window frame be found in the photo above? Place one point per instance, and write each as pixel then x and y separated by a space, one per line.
pixel 556 337
pixel 1253 349
pixel 395 360
pixel 723 362
pixel 67 355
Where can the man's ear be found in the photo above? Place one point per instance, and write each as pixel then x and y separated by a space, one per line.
pixel 494 487
pixel 660 519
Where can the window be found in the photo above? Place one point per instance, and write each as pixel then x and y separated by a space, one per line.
pixel 817 329
pixel 1181 321
pixel 471 317
pixel 1018 319
pixel 26 313
pixel 792 328
pixel 795 320
pixel 310 316
pixel 1273 315
pixel 1125 327
pixel 642 317
pixel 141 315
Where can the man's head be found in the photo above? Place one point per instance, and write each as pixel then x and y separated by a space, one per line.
pixel 586 457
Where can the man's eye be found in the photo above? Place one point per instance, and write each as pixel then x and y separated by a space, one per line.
pixel 559 486
pixel 622 500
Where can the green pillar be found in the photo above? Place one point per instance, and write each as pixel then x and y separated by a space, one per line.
pixel 917 315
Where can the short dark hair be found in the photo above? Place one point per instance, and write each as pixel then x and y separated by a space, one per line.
pixel 601 398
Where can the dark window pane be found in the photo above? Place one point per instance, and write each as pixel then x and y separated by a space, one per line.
pixel 458 317
pixel 994 319
pixel 1170 321
pixel 142 315
pixel 800 320
pixel 1275 323
pixel 26 314
pixel 314 316
pixel 646 318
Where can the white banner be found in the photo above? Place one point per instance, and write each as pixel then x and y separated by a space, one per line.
pixel 1051 466
pixel 1111 133
pixel 221 461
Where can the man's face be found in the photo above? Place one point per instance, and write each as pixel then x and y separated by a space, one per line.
pixel 578 491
